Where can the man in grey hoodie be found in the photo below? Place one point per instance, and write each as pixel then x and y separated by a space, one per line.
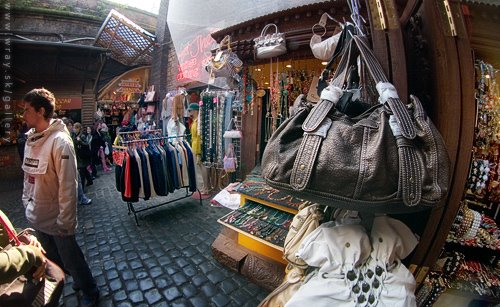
pixel 50 190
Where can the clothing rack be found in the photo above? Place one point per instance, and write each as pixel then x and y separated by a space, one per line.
pixel 141 132
pixel 154 139
pixel 130 205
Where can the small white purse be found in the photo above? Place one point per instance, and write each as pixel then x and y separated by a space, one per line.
pixel 323 49
pixel 232 133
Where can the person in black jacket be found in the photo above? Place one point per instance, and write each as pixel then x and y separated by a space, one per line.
pixel 96 142
pixel 21 141
pixel 81 141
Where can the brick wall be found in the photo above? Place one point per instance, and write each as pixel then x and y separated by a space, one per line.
pixel 95 10
pixel 159 73
pixel 172 68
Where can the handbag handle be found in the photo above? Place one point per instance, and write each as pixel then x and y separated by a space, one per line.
pixel 226 39
pixel 398 108
pixel 322 23
pixel 264 30
pixel 10 232
pixel 231 122
pixel 230 151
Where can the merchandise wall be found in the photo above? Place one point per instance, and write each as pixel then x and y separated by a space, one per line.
pixel 469 264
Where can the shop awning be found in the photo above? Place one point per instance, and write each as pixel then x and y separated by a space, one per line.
pixel 191 23
pixel 129 43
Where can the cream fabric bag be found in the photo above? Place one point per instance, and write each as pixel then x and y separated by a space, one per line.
pixel 304 222
pixel 323 49
pixel 357 268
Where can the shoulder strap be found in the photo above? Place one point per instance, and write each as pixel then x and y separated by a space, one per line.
pixel 10 231
pixel 397 107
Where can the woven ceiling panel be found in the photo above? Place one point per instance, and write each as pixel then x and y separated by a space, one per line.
pixel 129 44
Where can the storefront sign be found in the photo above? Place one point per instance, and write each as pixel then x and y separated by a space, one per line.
pixel 128 86
pixel 192 57
pixel 68 103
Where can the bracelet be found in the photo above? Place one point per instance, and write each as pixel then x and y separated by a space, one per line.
pixel 472 232
pixel 466 222
pixel 458 219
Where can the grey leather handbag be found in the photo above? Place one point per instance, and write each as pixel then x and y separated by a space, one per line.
pixel 389 159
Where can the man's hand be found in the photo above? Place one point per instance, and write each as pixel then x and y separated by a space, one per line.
pixel 30 239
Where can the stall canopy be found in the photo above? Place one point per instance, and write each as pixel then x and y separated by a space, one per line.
pixel 129 43
pixel 191 23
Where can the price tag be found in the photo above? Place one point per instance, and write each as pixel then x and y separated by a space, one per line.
pixel 218 56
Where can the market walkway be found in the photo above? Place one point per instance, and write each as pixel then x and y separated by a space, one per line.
pixel 166 261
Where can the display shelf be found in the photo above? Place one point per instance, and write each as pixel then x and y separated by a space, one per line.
pixel 244 198
pixel 240 231
pixel 249 253
pixel 259 219
pixel 254 187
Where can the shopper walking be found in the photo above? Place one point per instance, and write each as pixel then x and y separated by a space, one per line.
pixel 104 150
pixel 21 140
pixel 83 153
pixel 50 190
pixel 95 144
pixel 82 198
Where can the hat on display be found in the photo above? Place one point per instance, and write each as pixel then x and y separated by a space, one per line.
pixel 193 107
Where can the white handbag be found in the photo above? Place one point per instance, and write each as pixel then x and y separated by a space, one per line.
pixel 323 49
pixel 232 133
pixel 270 45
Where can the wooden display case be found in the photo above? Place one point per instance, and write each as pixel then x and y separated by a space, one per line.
pixel 248 254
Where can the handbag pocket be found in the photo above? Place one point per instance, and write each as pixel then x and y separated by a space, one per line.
pixel 24 292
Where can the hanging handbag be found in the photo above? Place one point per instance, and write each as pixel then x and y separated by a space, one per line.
pixel 303 223
pixel 230 161
pixel 323 49
pixel 225 63
pixel 269 45
pixel 151 94
pixel 232 132
pixel 24 291
pixel 389 159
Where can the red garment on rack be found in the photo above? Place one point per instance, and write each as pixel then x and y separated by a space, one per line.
pixel 127 192
pixel 118 157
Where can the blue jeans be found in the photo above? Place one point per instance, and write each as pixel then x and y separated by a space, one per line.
pixel 82 198
pixel 65 252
